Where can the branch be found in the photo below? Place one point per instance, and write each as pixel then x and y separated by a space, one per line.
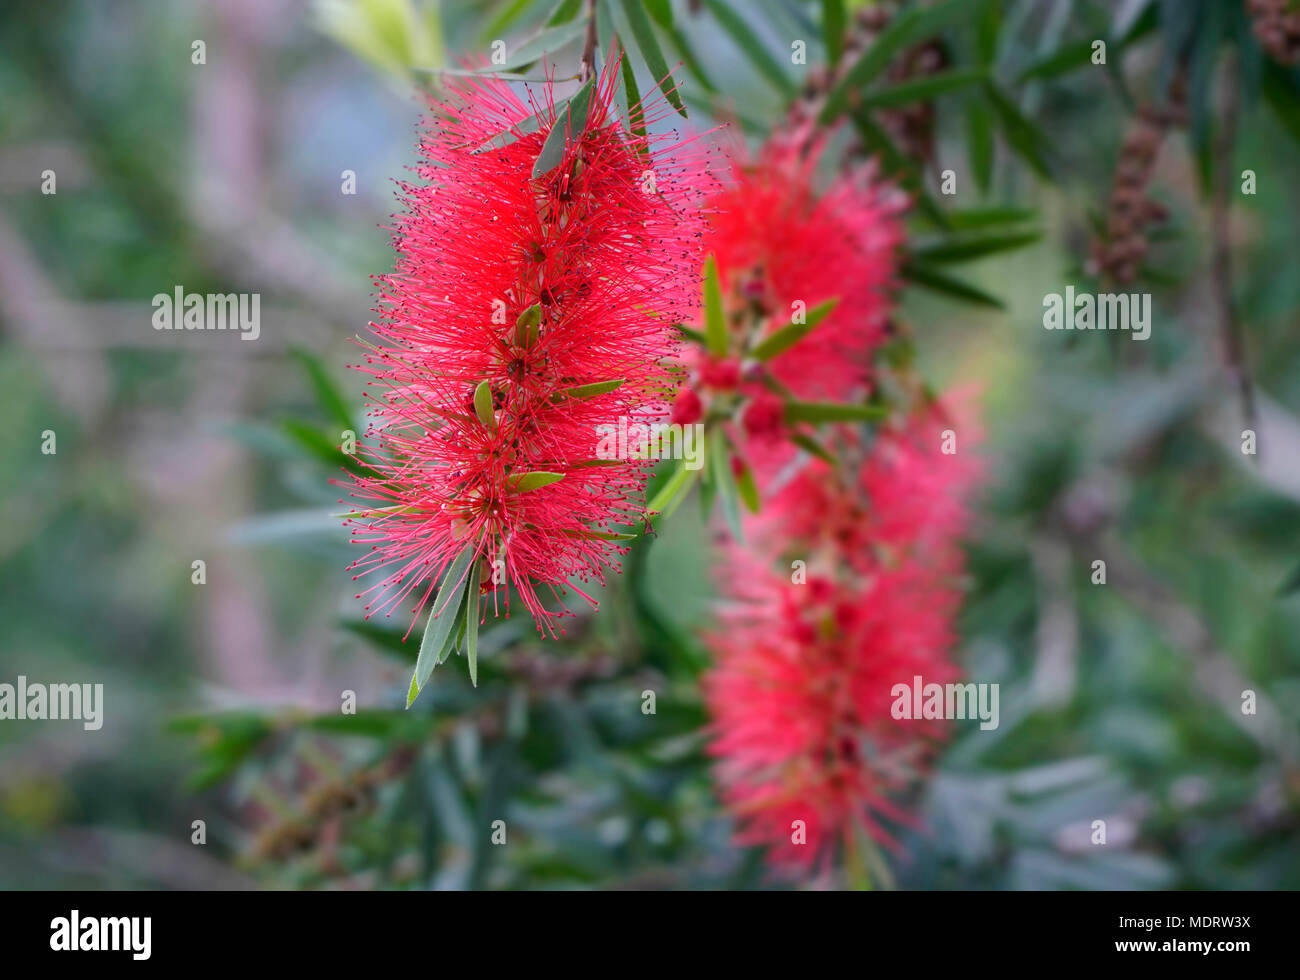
pixel 587 68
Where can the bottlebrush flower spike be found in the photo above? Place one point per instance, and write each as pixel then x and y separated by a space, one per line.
pixel 532 302
pixel 800 702
pixel 783 246
pixel 796 300
pixel 800 696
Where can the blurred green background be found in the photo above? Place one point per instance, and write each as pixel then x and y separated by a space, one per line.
pixel 1119 702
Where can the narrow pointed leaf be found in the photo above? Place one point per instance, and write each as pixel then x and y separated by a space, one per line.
pixel 644 35
pixel 834 21
pixel 439 631
pixel 979 137
pixel 724 482
pixel 789 335
pixel 328 394
pixel 483 405
pixel 915 24
pixel 670 495
pixel 471 621
pixel 1022 135
pixel 526 326
pixel 815 412
pixel 531 481
pixel 969 249
pixel 457 633
pixel 690 334
pixel 715 320
pixel 593 389
pixel 811 445
pixel 938 282
pixel 324 448
pixel 550 39
pixel 564 11
pixel 923 89
pixel 748 490
pixel 635 113
pixel 569 126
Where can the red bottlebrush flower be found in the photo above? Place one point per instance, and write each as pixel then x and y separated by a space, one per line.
pixel 782 247
pixel 802 690
pixel 539 286
pixel 788 253
pixel 800 700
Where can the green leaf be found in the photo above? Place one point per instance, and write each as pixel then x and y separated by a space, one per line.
pixel 816 412
pixel 507 16
pixel 1283 96
pixel 524 482
pixel 661 11
pixel 834 22
pixel 443 615
pixel 585 463
pixel 692 335
pixel 1022 135
pixel 1078 54
pixel 483 407
pixel 635 111
pixel 973 218
pixel 748 42
pixel 811 445
pixel 526 326
pixel 923 89
pixel 564 11
pixel 967 250
pixel 724 481
pixel 915 24
pixel 471 621
pixel 938 282
pixel 323 447
pixel 328 394
pixel 715 320
pixel 549 39
pixel 374 723
pixel 569 127
pixel 782 340
pixel 987 31
pixel 748 489
pixel 591 390
pixel 979 138
pixel 646 42
pixel 673 491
